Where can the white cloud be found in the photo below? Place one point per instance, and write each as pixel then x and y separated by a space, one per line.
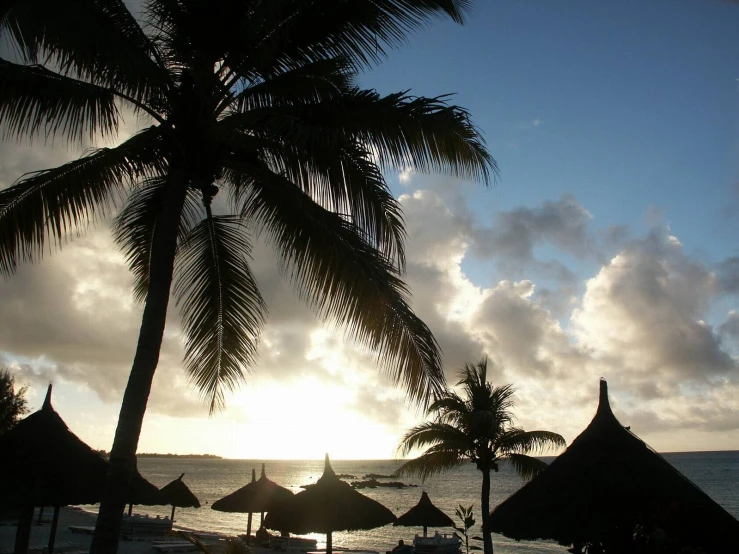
pixel 641 320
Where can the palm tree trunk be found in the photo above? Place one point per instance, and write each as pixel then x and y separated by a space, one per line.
pixel 485 507
pixel 125 443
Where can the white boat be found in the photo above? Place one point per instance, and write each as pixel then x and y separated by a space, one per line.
pixel 438 543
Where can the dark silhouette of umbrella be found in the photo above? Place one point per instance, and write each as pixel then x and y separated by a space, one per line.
pixel 179 495
pixel 257 496
pixel 142 492
pixel 424 514
pixel 329 505
pixel 605 485
pixel 45 464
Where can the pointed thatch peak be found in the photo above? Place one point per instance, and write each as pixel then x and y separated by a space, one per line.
pixel 47 400
pixel 605 425
pixel 263 474
pixel 603 404
pixel 253 475
pixel 327 469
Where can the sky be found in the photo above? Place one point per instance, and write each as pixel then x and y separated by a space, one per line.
pixel 607 249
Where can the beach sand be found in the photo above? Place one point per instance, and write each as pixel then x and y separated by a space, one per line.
pixel 74 517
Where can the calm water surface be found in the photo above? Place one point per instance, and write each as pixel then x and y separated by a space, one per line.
pixel 717 473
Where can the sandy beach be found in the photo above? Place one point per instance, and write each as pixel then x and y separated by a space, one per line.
pixel 71 516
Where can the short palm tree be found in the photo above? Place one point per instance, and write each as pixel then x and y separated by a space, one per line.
pixel 253 98
pixel 478 427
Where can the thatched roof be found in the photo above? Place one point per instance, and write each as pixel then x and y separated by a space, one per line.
pixel 424 514
pixel 607 482
pixel 178 494
pixel 329 505
pixel 45 464
pixel 257 496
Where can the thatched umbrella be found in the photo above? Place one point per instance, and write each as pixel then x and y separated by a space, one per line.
pixel 179 495
pixel 607 484
pixel 257 496
pixel 424 514
pixel 45 464
pixel 142 492
pixel 329 505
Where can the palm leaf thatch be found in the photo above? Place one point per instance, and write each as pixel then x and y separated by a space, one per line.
pixel 258 496
pixel 605 485
pixel 255 497
pixel 329 505
pixel 45 464
pixel 179 495
pixel 424 514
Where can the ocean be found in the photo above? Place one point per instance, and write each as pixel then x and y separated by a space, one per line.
pixel 717 473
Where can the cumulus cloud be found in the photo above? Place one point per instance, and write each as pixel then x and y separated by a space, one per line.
pixel 515 234
pixel 641 319
pixel 644 313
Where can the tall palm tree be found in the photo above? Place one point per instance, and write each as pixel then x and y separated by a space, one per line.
pixel 478 427
pixel 253 98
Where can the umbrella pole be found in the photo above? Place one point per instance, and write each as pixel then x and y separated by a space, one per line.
pixel 23 533
pixel 248 529
pixel 52 534
pixel 130 509
pixel 329 543
pixel 40 515
pixel 424 531
pixel 172 516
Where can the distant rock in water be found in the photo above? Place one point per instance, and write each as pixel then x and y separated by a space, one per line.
pixel 346 476
pixel 374 483
pixel 378 476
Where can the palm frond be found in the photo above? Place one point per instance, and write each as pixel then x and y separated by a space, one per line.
pixel 288 33
pixel 430 463
pixel 312 82
pixel 438 434
pixel 133 228
pixel 51 204
pixel 35 100
pixel 524 442
pixel 342 178
pixel 426 134
pixel 222 309
pixel 526 466
pixel 343 277
pixel 449 403
pixel 95 40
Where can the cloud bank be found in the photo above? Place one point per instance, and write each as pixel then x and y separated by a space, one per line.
pixel 646 315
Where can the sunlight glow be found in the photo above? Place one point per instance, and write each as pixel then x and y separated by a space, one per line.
pixel 303 420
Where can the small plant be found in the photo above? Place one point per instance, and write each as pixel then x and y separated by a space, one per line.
pixel 467 519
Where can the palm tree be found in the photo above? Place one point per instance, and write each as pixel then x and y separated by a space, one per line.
pixel 253 98
pixel 476 427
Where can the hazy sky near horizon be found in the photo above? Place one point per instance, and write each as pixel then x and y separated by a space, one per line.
pixel 609 248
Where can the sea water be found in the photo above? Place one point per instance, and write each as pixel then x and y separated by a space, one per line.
pixel 717 473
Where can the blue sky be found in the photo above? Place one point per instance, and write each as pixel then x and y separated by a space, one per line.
pixel 626 105
pixel 605 250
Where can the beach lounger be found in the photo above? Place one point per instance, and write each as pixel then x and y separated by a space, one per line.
pixel 183 546
pixel 174 546
pixel 84 529
pixel 292 544
pixel 62 548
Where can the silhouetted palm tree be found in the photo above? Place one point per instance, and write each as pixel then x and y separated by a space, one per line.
pixel 255 98
pixel 477 427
